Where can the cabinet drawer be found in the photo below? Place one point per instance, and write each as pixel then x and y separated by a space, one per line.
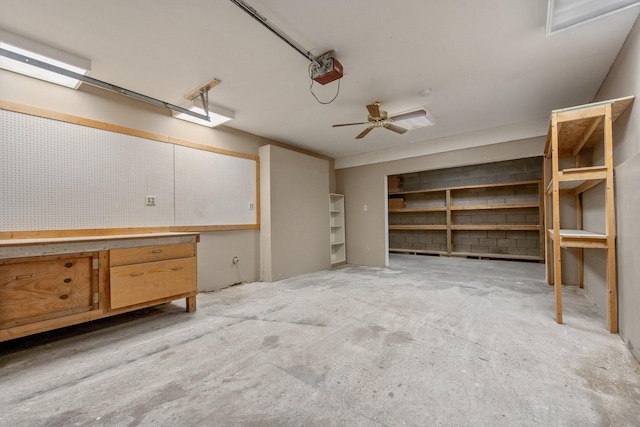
pixel 150 253
pixel 39 290
pixel 134 284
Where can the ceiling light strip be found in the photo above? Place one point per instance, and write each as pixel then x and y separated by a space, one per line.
pixel 99 83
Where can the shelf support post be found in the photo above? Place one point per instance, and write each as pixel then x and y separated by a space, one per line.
pixel 557 271
pixel 612 311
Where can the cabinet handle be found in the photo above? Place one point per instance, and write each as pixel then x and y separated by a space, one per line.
pixel 63 297
pixel 136 274
pixel 176 268
pixel 24 276
pixel 156 251
pixel 67 280
pixel 69 265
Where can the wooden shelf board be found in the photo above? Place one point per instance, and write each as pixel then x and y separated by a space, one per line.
pixel 500 227
pixel 576 122
pixel 499 256
pixel 409 210
pixel 580 239
pixel 496 206
pixel 418 251
pixel 417 227
pixel 582 174
pixel 468 187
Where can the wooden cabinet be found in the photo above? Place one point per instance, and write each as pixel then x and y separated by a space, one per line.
pixel 501 220
pixel 336 225
pixel 36 289
pixel 582 135
pixel 111 275
pixel 151 273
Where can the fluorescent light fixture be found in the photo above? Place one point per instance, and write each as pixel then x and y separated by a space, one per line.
pixel 29 48
pixel 564 14
pixel 217 115
pixel 416 122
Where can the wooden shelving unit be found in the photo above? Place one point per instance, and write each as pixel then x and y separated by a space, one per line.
pixel 441 207
pixel 338 247
pixel 572 133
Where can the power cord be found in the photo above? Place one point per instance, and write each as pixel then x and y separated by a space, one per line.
pixel 314 95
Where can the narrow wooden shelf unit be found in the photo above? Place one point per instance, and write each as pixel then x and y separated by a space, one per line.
pixel 571 132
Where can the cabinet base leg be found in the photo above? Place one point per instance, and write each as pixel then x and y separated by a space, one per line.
pixel 191 304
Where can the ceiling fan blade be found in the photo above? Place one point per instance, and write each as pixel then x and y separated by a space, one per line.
pixel 350 124
pixel 411 115
pixel 364 132
pixel 396 129
pixel 374 109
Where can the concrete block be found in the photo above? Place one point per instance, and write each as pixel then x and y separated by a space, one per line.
pixel 471 241
pixel 423 239
pixel 487 242
pixel 496 234
pixel 533 251
pixel 524 243
pixel 516 219
pixel 507 243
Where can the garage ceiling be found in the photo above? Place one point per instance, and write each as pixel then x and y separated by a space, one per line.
pixel 488 64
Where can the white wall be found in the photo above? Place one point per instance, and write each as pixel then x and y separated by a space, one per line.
pixel 294 218
pixel 623 80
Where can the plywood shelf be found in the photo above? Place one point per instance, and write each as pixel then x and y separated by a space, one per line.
pixel 499 256
pixel 466 187
pixel 417 227
pixel 582 126
pixel 580 239
pixel 499 227
pixel 414 210
pixel 417 251
pixel 495 206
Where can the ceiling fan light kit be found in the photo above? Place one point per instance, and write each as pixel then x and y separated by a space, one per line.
pixel 378 118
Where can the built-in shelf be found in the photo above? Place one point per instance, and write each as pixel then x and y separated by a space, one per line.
pixel 336 227
pixel 451 220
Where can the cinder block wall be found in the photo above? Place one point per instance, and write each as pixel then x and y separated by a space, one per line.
pixel 472 241
pixel 488 173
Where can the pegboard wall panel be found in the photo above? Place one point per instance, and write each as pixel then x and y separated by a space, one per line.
pixel 57 175
pixel 213 188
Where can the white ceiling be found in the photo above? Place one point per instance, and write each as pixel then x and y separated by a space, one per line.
pixel 488 63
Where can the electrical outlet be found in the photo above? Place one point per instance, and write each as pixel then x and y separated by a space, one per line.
pixel 364 208
pixel 252 206
pixel 150 200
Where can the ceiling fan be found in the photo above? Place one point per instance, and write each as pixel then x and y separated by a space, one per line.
pixel 378 118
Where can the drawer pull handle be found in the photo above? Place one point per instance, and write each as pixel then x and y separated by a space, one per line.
pixel 156 251
pixel 69 265
pixel 176 268
pixel 24 276
pixel 136 274
pixel 63 297
pixel 67 280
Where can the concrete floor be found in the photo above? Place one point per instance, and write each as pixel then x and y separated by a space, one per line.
pixel 429 341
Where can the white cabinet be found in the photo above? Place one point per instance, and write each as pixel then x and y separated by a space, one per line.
pixel 336 209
